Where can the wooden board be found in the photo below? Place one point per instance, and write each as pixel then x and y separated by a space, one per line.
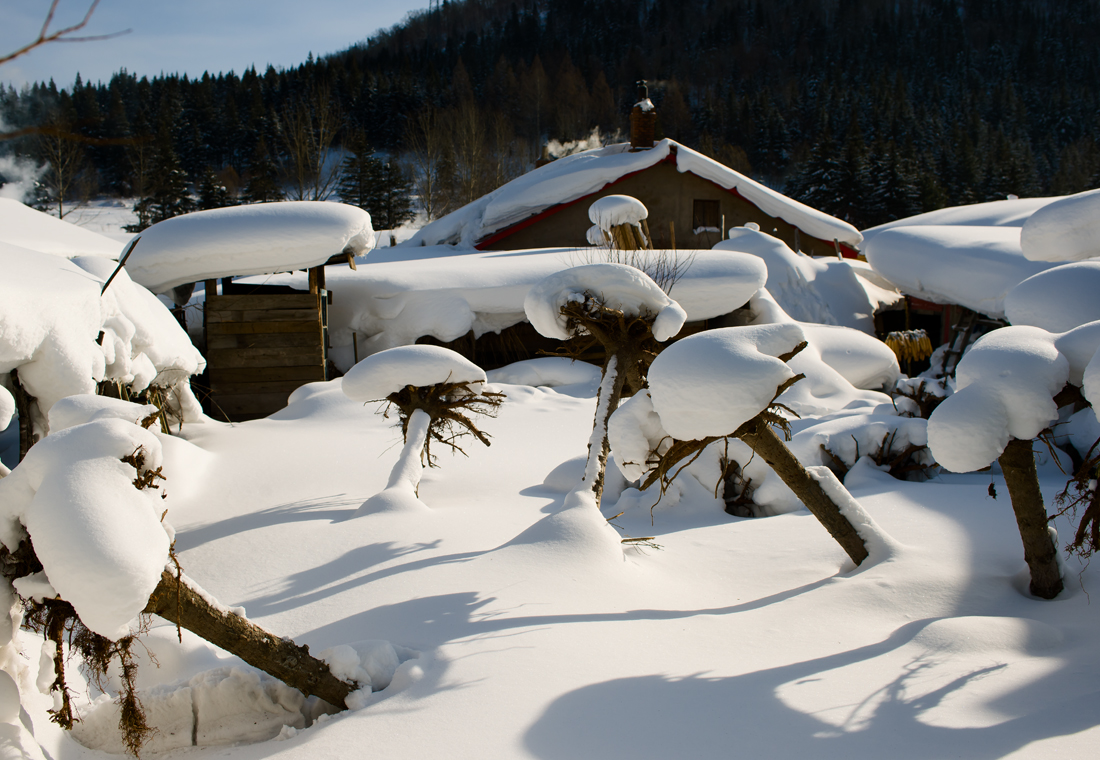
pixel 260 348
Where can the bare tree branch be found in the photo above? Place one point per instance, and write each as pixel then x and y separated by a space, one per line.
pixel 61 35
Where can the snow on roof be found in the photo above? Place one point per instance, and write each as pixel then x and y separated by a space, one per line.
pixel 827 291
pixel 573 177
pixel 973 266
pixel 244 240
pixel 446 292
pixel 1066 230
pixel 1007 213
pixel 27 228
pixel 1058 299
pixel 618 286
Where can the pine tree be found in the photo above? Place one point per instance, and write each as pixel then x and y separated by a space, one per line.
pixel 212 192
pixel 379 186
pixel 167 186
pixel 263 177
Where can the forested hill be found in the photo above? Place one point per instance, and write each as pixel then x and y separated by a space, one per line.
pixel 868 109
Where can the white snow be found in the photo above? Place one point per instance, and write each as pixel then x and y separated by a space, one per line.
pixel 1057 299
pixel 1005 387
pixel 616 286
pixel 822 290
pixel 613 210
pixel 99 538
pixel 973 266
pixel 51 320
pixel 1006 213
pixel 243 240
pixel 446 293
pixel 386 372
pixel 573 177
pixel 710 383
pixel 27 228
pixel 546 371
pixel 1067 229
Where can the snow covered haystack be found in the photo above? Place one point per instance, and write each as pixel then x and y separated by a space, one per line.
pixel 434 390
pixel 242 240
pixel 617 219
pixel 64 337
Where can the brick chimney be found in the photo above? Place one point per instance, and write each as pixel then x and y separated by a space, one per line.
pixel 643 120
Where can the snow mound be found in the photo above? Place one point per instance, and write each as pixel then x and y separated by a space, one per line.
pixel 1058 299
pixel 970 266
pixel 27 228
pixel 76 410
pixel 711 383
pixel 546 371
pixel 389 371
pixel 1007 213
pixel 1066 230
pixel 241 240
pixel 1079 345
pixel 617 286
pixel 7 407
pixel 613 210
pixel 100 539
pixel 1005 387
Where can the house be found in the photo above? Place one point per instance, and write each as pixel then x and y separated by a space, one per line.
pixel 693 201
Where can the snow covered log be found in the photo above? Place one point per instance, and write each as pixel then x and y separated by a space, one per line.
pixel 177 600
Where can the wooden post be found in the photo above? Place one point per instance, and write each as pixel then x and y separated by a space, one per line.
pixel 672 232
pixel 836 246
pixel 648 237
pixel 23 403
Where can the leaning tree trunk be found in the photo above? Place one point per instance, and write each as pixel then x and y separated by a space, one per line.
pixel 763 440
pixel 24 402
pixel 607 400
pixel 410 465
pixel 175 600
pixel 1040 551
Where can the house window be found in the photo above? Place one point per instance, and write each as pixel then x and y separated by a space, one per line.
pixel 706 217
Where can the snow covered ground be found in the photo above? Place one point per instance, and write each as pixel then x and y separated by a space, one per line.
pixel 723 636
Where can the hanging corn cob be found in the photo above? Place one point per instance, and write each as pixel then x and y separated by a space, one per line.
pixel 909 345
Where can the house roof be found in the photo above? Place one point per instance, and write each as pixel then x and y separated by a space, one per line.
pixel 571 178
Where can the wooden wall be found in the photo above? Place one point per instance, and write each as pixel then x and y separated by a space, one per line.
pixel 260 348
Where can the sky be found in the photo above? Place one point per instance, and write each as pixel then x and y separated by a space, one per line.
pixel 190 36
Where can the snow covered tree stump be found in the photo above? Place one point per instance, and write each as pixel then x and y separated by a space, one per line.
pixel 1004 397
pixel 617 221
pixel 434 390
pixel 721 384
pixel 625 311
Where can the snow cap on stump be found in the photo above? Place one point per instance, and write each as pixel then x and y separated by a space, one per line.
pixel 711 383
pixel 613 210
pixel 389 371
pixel 619 286
pixel 1005 389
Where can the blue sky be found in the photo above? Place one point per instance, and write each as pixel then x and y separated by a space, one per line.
pixel 187 36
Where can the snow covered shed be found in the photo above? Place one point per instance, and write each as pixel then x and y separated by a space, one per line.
pixel 261 342
pixel 692 201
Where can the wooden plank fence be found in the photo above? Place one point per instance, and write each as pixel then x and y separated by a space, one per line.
pixel 260 348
